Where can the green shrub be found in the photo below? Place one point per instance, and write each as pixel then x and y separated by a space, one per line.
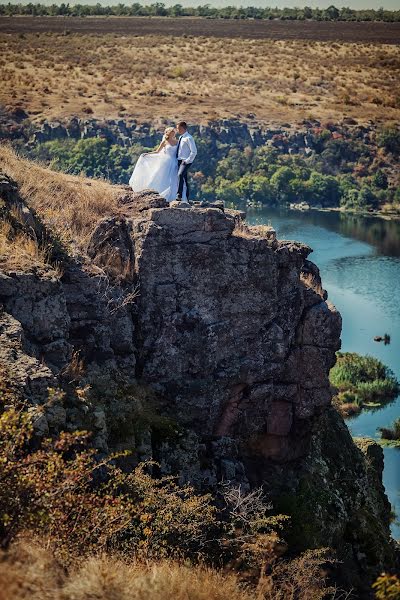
pixel 362 379
pixel 330 176
pixel 389 138
pixel 61 492
pixel 380 180
pixel 368 391
pixel 391 433
pixel 94 157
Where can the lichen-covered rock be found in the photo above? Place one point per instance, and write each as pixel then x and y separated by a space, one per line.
pixel 38 303
pixel 338 485
pixel 29 375
pixel 137 202
pixel 110 248
pixel 222 323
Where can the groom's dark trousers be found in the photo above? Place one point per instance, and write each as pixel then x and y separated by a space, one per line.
pixel 183 178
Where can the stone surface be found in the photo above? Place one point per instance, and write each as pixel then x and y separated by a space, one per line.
pixel 133 203
pixel 222 322
pixel 110 248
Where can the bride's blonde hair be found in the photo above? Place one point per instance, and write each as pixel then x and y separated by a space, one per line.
pixel 167 133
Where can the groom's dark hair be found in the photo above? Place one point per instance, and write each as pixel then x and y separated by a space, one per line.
pixel 182 124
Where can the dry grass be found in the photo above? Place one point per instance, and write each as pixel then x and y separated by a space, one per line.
pixel 30 573
pixel 69 205
pixel 54 76
pixel 108 578
pixel 251 231
pixel 19 251
pixel 346 409
pixel 310 282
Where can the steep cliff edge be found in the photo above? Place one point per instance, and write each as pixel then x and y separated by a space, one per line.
pixel 207 345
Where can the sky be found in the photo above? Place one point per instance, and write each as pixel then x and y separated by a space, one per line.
pixel 356 4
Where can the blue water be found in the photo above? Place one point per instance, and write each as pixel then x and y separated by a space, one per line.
pixel 359 259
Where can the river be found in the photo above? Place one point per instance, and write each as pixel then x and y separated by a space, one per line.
pixel 359 259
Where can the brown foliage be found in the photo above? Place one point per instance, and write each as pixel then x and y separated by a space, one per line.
pixel 101 533
pixel 78 504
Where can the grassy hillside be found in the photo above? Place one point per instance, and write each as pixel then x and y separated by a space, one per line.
pixel 70 205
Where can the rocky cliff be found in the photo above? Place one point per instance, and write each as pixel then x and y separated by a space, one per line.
pixel 207 346
pixel 18 126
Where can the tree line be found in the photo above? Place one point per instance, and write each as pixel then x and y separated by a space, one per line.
pixel 158 9
pixel 338 173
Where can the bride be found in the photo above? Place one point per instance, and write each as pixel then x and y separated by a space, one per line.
pixel 158 170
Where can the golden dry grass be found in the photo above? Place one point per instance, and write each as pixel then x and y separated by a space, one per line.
pixel 251 231
pixel 30 573
pixel 201 78
pixel 68 205
pixel 19 251
pixel 109 578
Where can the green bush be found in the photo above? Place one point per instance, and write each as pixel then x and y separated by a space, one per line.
pixel 391 433
pixel 389 138
pixel 362 379
pixel 368 391
pixel 323 189
pixel 61 492
pixel 281 183
pixel 380 180
pixel 93 157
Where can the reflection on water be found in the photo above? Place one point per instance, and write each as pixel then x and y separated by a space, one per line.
pixel 359 259
pixel 381 234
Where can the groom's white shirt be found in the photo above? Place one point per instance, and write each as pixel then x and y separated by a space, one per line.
pixel 187 148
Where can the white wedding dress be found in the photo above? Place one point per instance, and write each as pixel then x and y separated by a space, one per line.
pixel 157 172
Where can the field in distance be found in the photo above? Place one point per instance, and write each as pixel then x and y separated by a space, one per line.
pixel 109 75
pixel 345 31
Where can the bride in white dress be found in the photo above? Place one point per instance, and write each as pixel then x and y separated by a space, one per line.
pixel 158 170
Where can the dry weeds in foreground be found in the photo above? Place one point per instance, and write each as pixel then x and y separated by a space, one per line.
pixel 68 205
pixel 55 76
pixel 30 573
pixel 18 251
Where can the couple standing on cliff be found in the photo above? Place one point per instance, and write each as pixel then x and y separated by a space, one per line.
pixel 166 169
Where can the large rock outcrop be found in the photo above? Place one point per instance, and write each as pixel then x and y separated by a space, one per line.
pixel 207 345
pixel 224 333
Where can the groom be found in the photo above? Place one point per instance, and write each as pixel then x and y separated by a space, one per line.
pixel 186 153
